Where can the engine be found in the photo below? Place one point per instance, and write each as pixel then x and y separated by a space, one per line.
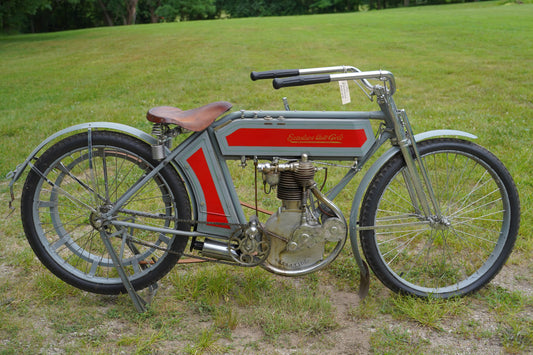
pixel 306 222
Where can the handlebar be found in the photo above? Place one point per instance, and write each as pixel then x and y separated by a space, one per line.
pixel 271 74
pixel 298 77
pixel 283 73
pixel 279 83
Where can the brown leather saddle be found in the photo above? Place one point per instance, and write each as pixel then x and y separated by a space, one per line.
pixel 195 120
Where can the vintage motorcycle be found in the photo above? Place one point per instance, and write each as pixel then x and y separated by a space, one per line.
pixel 109 208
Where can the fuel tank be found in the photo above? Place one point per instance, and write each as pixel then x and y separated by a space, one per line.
pixel 289 134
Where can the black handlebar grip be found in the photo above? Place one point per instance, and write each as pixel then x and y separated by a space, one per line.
pixel 301 80
pixel 271 74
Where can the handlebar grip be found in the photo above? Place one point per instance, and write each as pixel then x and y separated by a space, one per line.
pixel 271 74
pixel 301 80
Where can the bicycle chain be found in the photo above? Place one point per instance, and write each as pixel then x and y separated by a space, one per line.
pixel 177 220
pixel 191 222
pixel 197 222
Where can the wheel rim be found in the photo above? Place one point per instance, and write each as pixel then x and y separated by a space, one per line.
pixel 81 183
pixel 445 255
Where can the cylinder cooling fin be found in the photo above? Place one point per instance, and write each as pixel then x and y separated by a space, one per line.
pixel 288 187
pixel 293 178
pixel 305 173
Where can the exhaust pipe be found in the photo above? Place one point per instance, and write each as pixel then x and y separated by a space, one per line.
pixel 217 250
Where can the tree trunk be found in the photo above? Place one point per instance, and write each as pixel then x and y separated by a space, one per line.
pixel 153 16
pixel 132 11
pixel 107 18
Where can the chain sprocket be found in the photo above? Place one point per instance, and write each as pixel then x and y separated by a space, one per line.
pixel 252 245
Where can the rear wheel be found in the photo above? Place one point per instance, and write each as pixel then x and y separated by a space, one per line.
pixel 448 256
pixel 83 176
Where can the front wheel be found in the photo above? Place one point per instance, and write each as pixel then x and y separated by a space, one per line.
pixel 448 255
pixel 84 175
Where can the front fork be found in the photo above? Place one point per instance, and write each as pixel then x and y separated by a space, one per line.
pixel 415 176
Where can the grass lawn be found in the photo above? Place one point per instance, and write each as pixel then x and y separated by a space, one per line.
pixel 467 67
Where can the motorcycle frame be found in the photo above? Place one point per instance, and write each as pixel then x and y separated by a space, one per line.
pixel 201 161
pixel 219 172
pixel 202 158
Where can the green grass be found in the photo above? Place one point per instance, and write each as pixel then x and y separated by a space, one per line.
pixel 395 340
pixel 466 67
pixel 214 291
pixel 429 313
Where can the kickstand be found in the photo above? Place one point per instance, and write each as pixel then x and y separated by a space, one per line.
pixel 138 301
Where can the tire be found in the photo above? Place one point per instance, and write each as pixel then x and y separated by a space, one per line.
pixel 69 182
pixel 458 254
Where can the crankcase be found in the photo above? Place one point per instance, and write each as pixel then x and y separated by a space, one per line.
pixel 288 253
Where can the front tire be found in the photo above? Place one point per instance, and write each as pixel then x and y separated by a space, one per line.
pixel 458 253
pixel 83 175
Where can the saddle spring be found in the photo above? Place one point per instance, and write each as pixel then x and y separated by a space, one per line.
pixel 164 135
pixel 157 129
pixel 158 149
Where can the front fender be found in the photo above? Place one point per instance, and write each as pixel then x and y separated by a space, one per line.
pixel 372 171
pixel 15 175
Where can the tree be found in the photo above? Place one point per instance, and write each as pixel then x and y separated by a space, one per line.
pixel 147 11
pixel 329 6
pixel 58 15
pixel 66 15
pixel 249 8
pixel 106 13
pixel 119 12
pixel 186 10
pixel 131 9
pixel 15 14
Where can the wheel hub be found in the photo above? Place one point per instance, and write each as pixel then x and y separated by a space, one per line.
pixel 97 218
pixel 439 223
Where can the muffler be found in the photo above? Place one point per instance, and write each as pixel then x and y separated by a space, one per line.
pixel 217 250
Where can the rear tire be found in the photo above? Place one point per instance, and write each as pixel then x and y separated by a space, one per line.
pixel 82 174
pixel 453 256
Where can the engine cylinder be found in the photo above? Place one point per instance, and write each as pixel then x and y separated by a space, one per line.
pixel 288 187
pixel 292 183
pixel 305 174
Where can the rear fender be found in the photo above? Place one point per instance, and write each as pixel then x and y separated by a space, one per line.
pixel 131 131
pixel 117 127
